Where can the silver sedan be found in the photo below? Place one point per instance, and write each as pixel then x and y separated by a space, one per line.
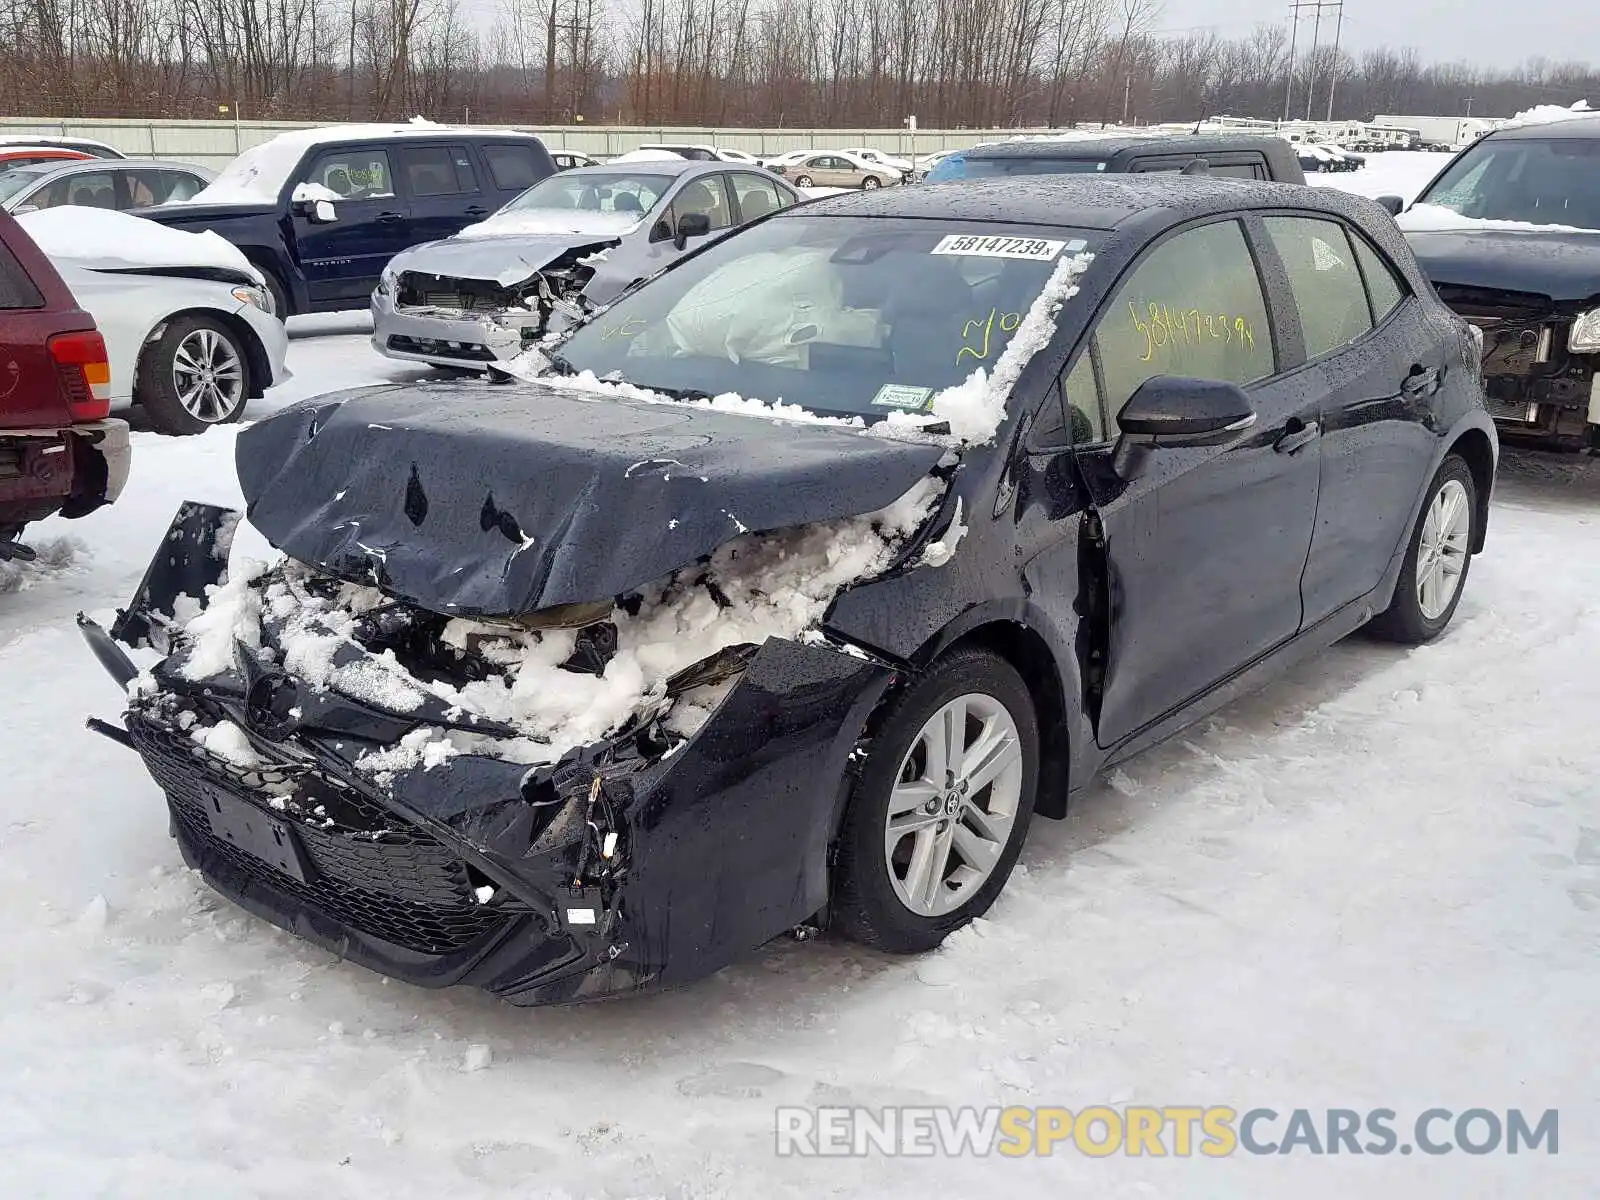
pixel 567 244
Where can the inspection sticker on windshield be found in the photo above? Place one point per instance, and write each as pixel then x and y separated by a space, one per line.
pixel 1033 249
pixel 900 395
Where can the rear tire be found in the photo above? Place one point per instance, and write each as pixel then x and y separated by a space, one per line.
pixel 930 835
pixel 194 376
pixel 1434 573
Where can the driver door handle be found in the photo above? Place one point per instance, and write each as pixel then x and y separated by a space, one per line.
pixel 389 218
pixel 1296 433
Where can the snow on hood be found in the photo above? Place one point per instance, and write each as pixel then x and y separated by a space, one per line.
pixel 1549 114
pixel 499 499
pixel 1435 218
pixel 755 586
pixel 553 220
pixel 105 235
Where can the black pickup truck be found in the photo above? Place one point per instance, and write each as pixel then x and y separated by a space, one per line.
pixel 1247 156
pixel 321 211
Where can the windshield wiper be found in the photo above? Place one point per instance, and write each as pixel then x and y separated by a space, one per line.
pixel 559 364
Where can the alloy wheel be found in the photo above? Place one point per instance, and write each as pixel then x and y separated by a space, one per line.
pixel 207 376
pixel 954 803
pixel 1442 550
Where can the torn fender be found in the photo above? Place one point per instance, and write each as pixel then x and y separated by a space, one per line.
pixel 495 499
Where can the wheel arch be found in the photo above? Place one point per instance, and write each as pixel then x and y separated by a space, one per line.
pixel 255 353
pixel 1477 451
pixel 1032 657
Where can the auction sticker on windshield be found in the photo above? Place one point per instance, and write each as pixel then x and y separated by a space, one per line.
pixel 1034 249
pixel 900 395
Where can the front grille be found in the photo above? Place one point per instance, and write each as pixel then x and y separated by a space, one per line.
pixel 475 352
pixel 1492 303
pixel 1507 410
pixel 430 291
pixel 374 872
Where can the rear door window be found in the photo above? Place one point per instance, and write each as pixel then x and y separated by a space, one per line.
pixel 435 170
pixel 1384 286
pixel 1191 306
pixel 512 168
pixel 154 185
pixel 757 196
pixel 1324 279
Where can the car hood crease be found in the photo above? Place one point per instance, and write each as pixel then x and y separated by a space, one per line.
pixel 504 259
pixel 503 499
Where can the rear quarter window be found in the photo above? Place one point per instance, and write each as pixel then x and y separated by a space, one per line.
pixel 1384 287
pixel 16 289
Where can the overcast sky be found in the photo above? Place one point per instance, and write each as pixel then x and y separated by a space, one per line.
pixel 1491 32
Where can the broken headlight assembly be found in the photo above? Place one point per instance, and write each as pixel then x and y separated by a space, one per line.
pixel 1584 337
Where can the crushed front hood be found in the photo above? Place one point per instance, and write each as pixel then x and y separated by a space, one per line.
pixel 497 499
pixel 1563 266
pixel 505 259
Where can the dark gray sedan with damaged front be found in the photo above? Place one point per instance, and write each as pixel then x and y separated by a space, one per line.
pixel 568 244
pixel 784 592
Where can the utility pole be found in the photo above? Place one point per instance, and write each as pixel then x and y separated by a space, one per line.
pixel 1127 95
pixel 1311 63
pixel 1469 105
pixel 1333 68
pixel 1294 35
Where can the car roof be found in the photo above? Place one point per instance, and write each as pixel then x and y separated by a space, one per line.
pixel 1571 127
pixel 79 166
pixel 649 166
pixel 1105 147
pixel 1085 201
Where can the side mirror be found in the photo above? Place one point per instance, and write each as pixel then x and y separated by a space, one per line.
pixel 1394 205
pixel 1174 410
pixel 318 212
pixel 691 225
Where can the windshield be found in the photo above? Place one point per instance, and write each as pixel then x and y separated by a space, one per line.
pixel 595 191
pixel 960 166
pixel 1539 181
pixel 13 181
pixel 844 315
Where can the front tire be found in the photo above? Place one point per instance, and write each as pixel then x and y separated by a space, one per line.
pixel 194 376
pixel 1434 573
pixel 938 816
pixel 870 183
pixel 802 181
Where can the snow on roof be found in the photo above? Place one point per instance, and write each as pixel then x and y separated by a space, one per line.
pixel 645 155
pixel 258 174
pixel 103 234
pixel 1548 114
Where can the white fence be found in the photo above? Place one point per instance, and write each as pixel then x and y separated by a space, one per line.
pixel 212 143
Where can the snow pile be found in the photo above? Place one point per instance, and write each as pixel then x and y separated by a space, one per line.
pixel 55 555
pixel 1436 218
pixel 1549 114
pixel 754 587
pixel 976 407
pixel 633 156
pixel 70 231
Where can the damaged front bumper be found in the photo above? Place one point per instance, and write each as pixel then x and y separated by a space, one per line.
pixel 635 862
pixel 451 337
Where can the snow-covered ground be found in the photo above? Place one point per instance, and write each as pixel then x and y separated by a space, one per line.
pixel 1375 884
pixel 1401 173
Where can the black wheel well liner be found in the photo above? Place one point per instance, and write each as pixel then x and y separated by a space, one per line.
pixel 264 261
pixel 1031 656
pixel 1474 449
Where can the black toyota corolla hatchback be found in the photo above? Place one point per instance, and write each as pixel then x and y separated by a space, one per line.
pixel 786 590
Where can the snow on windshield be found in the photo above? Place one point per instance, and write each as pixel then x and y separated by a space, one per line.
pixel 73 232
